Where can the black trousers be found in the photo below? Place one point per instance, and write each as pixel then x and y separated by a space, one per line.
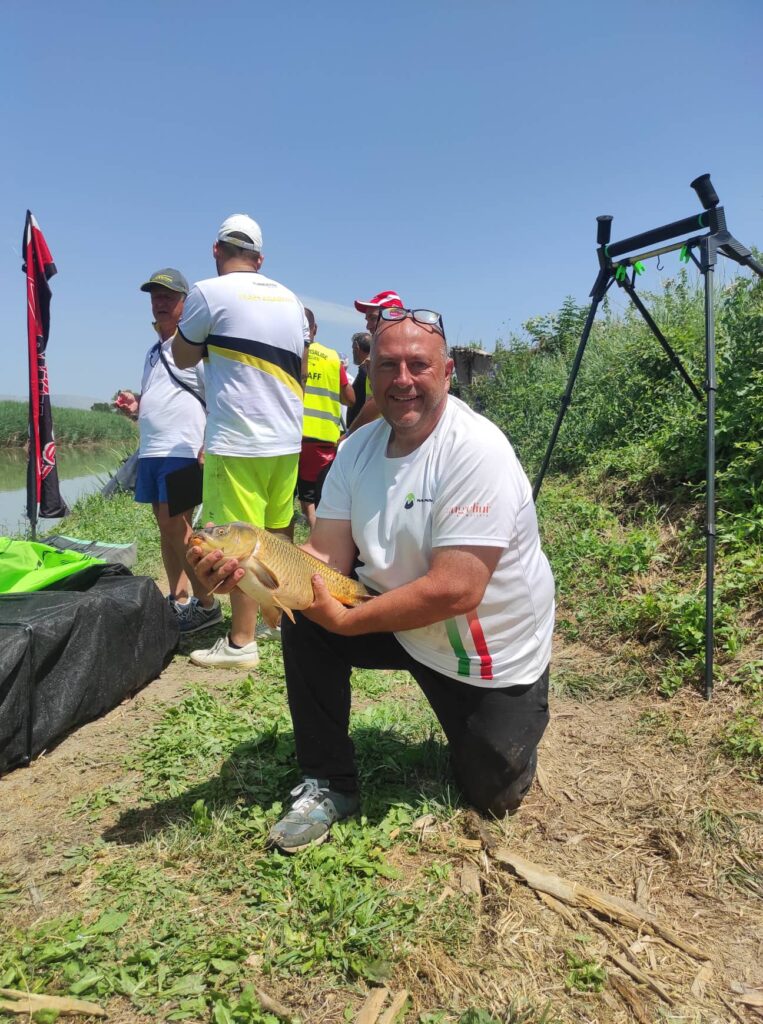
pixel 493 734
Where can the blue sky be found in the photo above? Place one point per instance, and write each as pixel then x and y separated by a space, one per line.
pixel 456 152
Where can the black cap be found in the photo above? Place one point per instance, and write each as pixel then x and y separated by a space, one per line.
pixel 167 278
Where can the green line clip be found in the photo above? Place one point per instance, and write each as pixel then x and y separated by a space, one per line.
pixel 684 255
pixel 621 272
pixel 639 267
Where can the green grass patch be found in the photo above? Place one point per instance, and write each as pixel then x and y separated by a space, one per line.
pixel 182 897
pixel 743 739
pixel 120 520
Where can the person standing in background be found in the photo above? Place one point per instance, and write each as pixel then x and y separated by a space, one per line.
pixel 365 409
pixel 327 389
pixel 254 334
pixel 171 418
pixel 361 348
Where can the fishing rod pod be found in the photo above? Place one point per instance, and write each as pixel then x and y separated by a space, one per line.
pixel 715 239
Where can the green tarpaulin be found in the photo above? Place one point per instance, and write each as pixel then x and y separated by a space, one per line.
pixel 26 566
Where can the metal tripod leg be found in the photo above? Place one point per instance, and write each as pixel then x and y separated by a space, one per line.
pixel 599 290
pixel 708 252
pixel 636 299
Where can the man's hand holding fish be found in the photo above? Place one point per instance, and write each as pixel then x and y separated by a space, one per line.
pixel 217 573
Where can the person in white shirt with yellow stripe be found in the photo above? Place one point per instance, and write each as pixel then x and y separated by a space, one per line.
pixel 252 333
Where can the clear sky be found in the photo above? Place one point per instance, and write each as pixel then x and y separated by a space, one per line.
pixel 457 152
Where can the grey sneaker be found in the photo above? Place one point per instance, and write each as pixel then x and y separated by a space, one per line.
pixel 194 616
pixel 312 814
pixel 266 632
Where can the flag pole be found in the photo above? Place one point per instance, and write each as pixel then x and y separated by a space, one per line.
pixel 33 444
pixel 44 499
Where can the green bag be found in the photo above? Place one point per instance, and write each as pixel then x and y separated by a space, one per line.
pixel 26 565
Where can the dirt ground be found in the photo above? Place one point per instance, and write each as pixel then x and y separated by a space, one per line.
pixel 632 799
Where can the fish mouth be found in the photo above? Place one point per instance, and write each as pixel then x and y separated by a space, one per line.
pixel 200 540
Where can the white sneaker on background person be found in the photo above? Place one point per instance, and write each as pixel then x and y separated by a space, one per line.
pixel 222 655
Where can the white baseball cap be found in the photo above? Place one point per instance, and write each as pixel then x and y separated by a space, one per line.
pixel 237 225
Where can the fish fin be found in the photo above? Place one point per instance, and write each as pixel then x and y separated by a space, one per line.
pixel 264 575
pixel 354 601
pixel 284 609
pixel 270 614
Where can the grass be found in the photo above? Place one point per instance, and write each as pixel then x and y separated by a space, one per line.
pixel 634 585
pixel 72 426
pixel 173 905
pixel 743 739
pixel 181 898
pixel 119 520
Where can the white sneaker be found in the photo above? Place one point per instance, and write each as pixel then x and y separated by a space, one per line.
pixel 266 632
pixel 222 655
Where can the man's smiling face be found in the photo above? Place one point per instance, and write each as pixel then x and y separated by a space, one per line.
pixel 410 375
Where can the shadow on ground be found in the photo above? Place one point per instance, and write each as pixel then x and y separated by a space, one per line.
pixel 262 771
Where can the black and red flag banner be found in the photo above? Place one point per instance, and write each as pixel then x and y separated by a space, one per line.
pixel 42 476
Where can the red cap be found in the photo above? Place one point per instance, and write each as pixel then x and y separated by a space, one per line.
pixel 383 299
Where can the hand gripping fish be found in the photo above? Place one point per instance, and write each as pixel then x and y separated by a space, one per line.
pixel 277 574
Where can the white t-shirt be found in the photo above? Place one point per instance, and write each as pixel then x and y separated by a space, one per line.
pixel 171 421
pixel 462 486
pixel 254 332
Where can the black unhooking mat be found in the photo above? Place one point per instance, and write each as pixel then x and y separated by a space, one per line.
pixel 68 656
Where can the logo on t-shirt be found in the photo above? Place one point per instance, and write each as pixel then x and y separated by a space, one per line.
pixel 411 500
pixel 474 509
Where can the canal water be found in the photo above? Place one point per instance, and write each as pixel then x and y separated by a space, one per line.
pixel 81 471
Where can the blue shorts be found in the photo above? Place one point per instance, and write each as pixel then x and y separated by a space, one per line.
pixel 151 484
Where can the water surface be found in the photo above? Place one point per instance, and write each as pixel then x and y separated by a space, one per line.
pixel 80 471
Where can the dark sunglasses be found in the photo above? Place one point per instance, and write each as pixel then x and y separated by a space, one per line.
pixel 428 317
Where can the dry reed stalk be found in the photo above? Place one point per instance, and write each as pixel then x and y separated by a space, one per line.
pixel 371 1009
pixel 559 908
pixel 638 975
pixel 576 894
pixel 732 1010
pixel 272 1005
pixel 470 879
pixel 631 998
pixel 33 1002
pixel 394 1009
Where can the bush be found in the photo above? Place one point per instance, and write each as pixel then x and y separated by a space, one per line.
pixel 71 426
pixel 622 511
pixel 629 399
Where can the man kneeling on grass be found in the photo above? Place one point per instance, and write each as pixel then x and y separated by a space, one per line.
pixel 440 512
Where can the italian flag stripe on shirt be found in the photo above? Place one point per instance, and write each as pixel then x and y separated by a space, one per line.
pixel 458 648
pixel 480 646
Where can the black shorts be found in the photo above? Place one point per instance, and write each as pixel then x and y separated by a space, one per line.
pixel 310 491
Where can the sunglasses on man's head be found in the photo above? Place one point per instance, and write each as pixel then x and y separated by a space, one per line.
pixel 428 317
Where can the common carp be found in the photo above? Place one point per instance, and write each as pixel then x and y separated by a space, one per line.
pixel 278 574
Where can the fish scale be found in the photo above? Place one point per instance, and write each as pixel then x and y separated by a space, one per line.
pixel 277 574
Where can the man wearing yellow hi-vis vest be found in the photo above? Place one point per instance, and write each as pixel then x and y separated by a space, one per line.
pixel 327 389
